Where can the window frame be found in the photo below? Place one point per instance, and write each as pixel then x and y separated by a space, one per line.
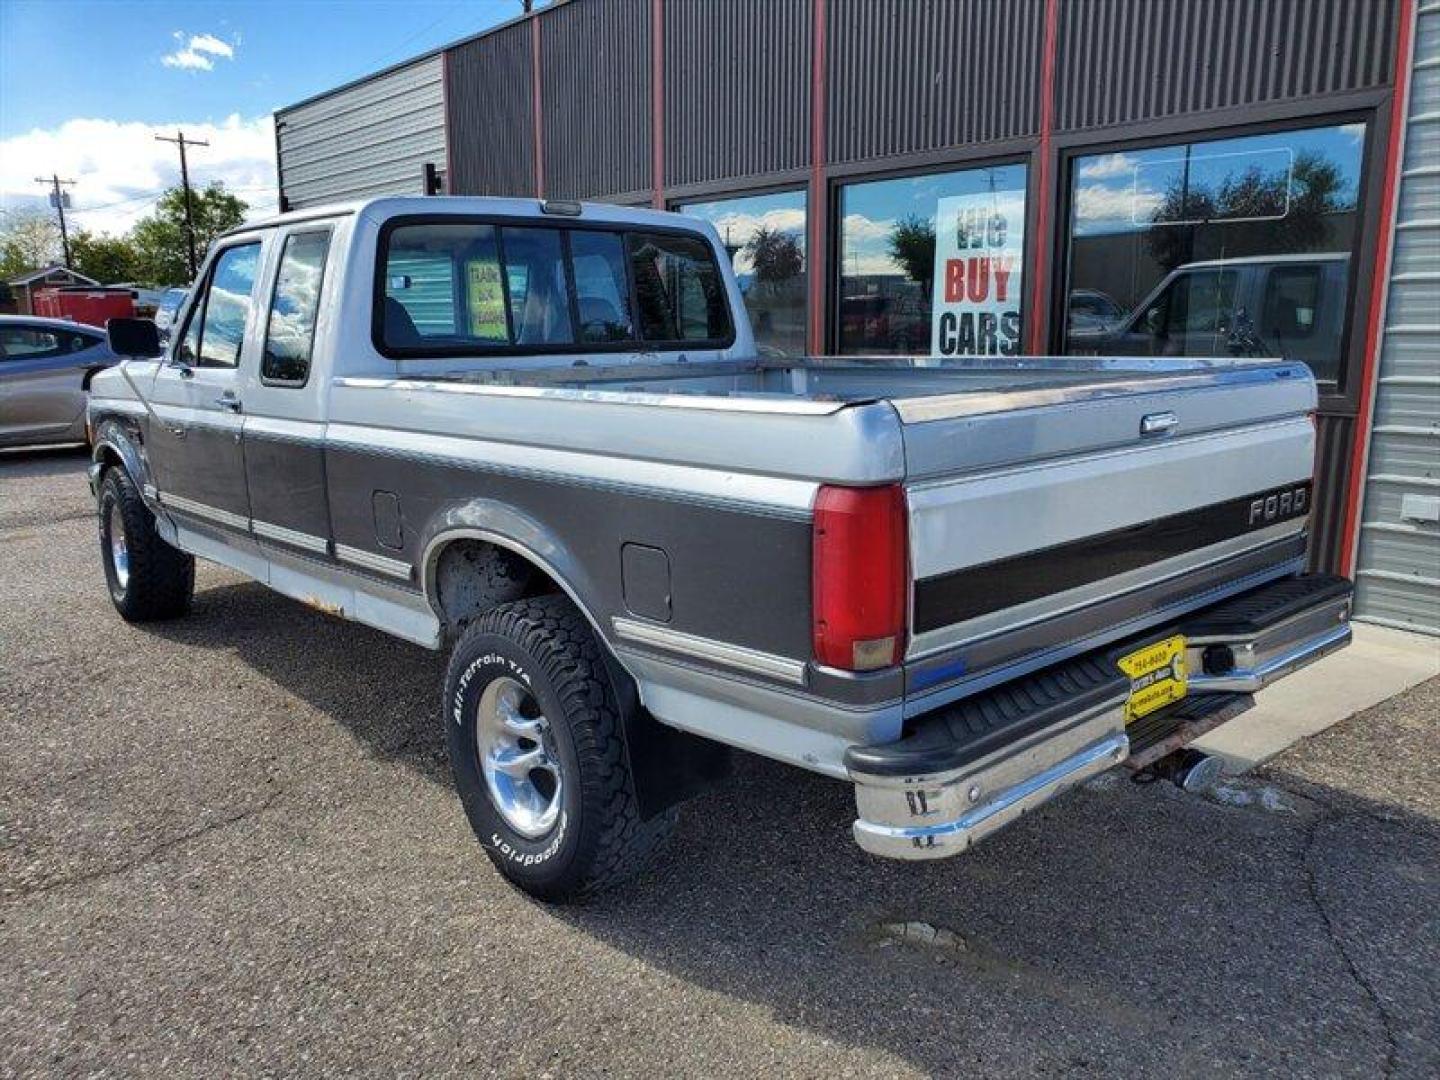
pixel 200 303
pixel 43 354
pixel 567 225
pixel 328 231
pixel 732 194
pixel 835 225
pixel 1341 392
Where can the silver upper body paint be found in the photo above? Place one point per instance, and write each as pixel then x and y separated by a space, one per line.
pixel 713 455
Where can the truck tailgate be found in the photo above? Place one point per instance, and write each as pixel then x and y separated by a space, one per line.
pixel 1049 509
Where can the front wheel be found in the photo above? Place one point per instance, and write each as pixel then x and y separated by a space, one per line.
pixel 147 578
pixel 538 755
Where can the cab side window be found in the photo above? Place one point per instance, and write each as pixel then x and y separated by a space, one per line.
pixel 215 333
pixel 290 328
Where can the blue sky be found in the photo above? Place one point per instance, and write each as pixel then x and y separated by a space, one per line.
pixel 84 84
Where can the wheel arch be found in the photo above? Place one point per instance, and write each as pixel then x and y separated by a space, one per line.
pixel 487 521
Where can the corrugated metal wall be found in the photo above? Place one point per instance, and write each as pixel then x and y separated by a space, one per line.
pixel 907 76
pixel 595 97
pixel 371 138
pixel 1127 61
pixel 1398 567
pixel 489 110
pixel 744 67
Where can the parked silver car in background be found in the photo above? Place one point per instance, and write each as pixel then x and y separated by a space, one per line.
pixel 45 371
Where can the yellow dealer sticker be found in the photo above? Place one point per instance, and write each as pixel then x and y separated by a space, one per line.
pixel 1157 676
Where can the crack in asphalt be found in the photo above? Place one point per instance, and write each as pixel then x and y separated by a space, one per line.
pixel 147 856
pixel 1312 887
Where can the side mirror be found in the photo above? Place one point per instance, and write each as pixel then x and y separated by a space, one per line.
pixel 1154 320
pixel 136 338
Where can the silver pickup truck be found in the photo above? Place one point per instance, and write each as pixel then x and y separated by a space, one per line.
pixel 540 435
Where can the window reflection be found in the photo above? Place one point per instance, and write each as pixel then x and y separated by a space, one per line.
pixel 932 265
pixel 1239 247
pixel 765 236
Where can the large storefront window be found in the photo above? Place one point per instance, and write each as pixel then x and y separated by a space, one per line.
pixel 1239 247
pixel 933 265
pixel 765 236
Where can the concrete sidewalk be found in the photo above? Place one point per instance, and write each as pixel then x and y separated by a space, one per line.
pixel 1379 664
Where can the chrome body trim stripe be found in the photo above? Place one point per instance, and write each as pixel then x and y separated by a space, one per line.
pixel 769 495
pixel 783 668
pixel 267 531
pixel 381 564
pixel 1203 376
pixel 151 492
pixel 709 403
pixel 205 511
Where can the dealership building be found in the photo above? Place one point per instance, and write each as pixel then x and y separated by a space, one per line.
pixel 1164 177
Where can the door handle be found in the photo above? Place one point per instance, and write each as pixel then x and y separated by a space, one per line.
pixel 228 401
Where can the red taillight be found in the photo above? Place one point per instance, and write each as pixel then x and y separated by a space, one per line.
pixel 861 577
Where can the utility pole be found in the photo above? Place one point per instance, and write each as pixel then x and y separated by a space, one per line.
pixel 183 142
pixel 57 199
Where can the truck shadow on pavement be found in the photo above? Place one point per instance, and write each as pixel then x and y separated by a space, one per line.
pixel 1290 930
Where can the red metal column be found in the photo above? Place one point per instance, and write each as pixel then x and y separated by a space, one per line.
pixel 815 259
pixel 1379 279
pixel 657 102
pixel 1041 244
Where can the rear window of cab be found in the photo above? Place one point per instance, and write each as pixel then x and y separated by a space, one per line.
pixel 453 286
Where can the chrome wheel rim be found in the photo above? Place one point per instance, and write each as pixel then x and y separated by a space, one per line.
pixel 517 758
pixel 119 553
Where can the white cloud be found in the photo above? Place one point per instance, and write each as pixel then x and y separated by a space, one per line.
pixel 1100 208
pixel 120 169
pixel 1107 165
pixel 197 52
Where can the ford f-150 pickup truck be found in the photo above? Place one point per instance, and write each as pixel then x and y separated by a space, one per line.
pixel 540 435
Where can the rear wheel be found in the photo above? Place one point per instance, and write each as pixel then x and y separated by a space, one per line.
pixel 537 751
pixel 148 579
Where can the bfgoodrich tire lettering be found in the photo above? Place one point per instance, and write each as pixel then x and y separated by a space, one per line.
pixel 596 840
pixel 147 578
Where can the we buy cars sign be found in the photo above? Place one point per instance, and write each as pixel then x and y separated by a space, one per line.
pixel 979 240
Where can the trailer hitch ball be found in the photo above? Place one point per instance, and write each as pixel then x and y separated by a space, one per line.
pixel 1189 770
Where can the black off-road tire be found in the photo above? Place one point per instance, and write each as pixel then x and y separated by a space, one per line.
pixel 598 841
pixel 161 579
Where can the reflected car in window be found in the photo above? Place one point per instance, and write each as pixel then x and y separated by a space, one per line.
pixel 1092 310
pixel 45 371
pixel 1290 306
pixel 168 310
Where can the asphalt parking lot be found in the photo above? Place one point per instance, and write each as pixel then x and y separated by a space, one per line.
pixel 228 845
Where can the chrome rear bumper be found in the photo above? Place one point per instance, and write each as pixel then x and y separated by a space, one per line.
pixel 930 817
pixel 971 769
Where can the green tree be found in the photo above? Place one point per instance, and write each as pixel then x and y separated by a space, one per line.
pixel 29 241
pixel 159 240
pixel 912 245
pixel 775 254
pixel 107 259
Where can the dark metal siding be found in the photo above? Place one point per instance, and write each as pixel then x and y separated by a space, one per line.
pixel 595 98
pixel 1127 61
pixel 737 88
pixel 488 112
pixel 908 76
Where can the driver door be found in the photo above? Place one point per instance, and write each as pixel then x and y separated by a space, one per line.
pixel 195 446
